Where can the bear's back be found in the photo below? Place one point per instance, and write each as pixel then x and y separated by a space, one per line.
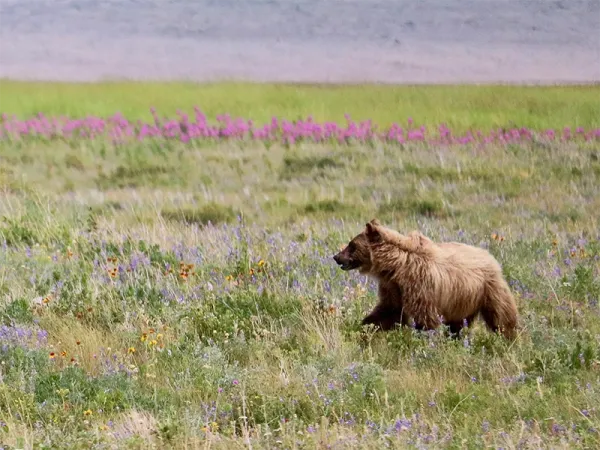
pixel 466 256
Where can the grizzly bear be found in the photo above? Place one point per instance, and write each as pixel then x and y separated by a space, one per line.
pixel 430 283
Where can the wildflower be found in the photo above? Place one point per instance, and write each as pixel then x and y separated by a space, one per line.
pixel 236 382
pixel 184 270
pixel 52 355
pixel 159 336
pixel 131 350
pixel 78 342
pixel 63 353
pixel 73 361
pixel 485 426
pixel 47 299
pixel 62 392
pixel 261 263
pixel 229 277
pixel 87 412
pixel 153 342
pixel 143 337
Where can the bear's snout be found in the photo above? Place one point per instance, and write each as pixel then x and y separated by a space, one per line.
pixel 340 259
pixel 344 262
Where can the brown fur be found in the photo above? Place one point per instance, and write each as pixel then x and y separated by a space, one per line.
pixel 430 283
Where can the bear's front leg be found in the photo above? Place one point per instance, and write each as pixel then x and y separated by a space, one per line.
pixel 385 317
pixel 389 312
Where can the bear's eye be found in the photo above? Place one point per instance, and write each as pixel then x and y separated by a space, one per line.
pixel 351 247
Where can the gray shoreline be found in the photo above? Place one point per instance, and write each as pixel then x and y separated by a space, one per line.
pixel 302 41
pixel 300 65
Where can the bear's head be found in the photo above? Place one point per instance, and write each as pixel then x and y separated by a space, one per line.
pixel 357 254
pixel 378 249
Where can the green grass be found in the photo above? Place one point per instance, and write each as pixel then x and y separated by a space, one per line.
pixel 460 107
pixel 172 323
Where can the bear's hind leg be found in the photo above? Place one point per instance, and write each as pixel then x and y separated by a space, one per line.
pixel 456 326
pixel 495 323
pixel 500 311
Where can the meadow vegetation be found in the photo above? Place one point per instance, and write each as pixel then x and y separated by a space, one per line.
pixel 460 107
pixel 180 293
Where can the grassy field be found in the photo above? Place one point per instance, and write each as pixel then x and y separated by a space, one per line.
pixel 161 294
pixel 460 107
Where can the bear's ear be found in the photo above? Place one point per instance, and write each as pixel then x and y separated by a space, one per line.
pixel 375 222
pixel 373 232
